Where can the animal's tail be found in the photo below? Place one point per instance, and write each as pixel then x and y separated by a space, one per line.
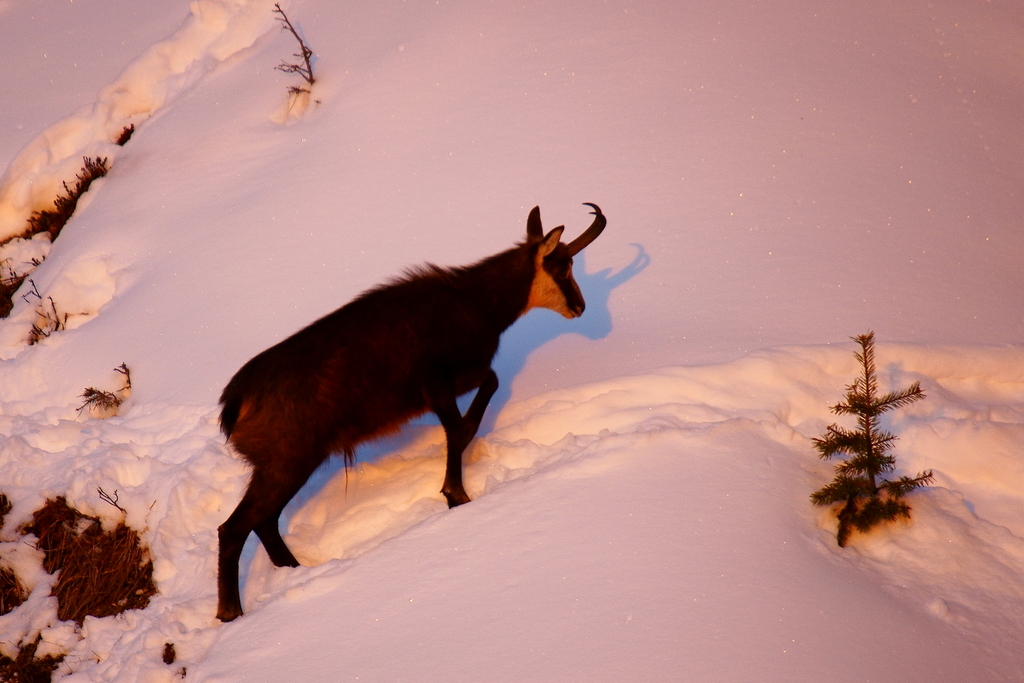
pixel 231 399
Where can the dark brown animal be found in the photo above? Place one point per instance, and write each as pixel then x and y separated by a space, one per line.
pixel 397 351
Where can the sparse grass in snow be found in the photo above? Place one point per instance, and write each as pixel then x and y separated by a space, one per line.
pixel 26 667
pixel 101 573
pixel 49 319
pixel 12 593
pixel 52 221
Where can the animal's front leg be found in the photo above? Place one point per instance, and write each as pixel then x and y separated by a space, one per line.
pixel 459 430
pixel 476 409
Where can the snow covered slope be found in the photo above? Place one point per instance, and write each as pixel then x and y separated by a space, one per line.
pixel 776 179
pixel 651 527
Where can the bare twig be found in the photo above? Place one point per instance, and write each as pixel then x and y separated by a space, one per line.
pixel 33 291
pixel 123 369
pixel 105 497
pixel 305 69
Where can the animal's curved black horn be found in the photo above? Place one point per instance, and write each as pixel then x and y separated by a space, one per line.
pixel 576 246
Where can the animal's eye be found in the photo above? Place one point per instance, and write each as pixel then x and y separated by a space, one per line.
pixel 560 268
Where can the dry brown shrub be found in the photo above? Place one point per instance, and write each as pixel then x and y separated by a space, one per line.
pixel 25 668
pixel 12 593
pixel 102 573
pixel 126 134
pixel 10 281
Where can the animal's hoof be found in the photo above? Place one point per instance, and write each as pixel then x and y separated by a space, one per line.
pixel 455 498
pixel 229 614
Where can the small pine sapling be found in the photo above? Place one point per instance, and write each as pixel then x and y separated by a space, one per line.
pixel 867 499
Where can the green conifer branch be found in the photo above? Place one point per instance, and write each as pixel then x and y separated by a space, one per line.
pixel 839 490
pixel 898 399
pixel 904 485
pixel 838 440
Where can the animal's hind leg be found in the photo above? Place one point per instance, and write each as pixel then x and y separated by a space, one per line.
pixel 270 536
pixel 232 534
pixel 258 511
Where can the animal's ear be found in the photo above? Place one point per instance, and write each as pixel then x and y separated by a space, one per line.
pixel 550 242
pixel 534 232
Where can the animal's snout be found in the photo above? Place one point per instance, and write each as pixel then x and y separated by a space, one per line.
pixel 572 308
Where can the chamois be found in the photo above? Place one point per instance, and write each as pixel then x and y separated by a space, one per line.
pixel 396 351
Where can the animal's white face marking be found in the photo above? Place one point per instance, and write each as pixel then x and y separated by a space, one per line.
pixel 545 293
pixel 548 287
